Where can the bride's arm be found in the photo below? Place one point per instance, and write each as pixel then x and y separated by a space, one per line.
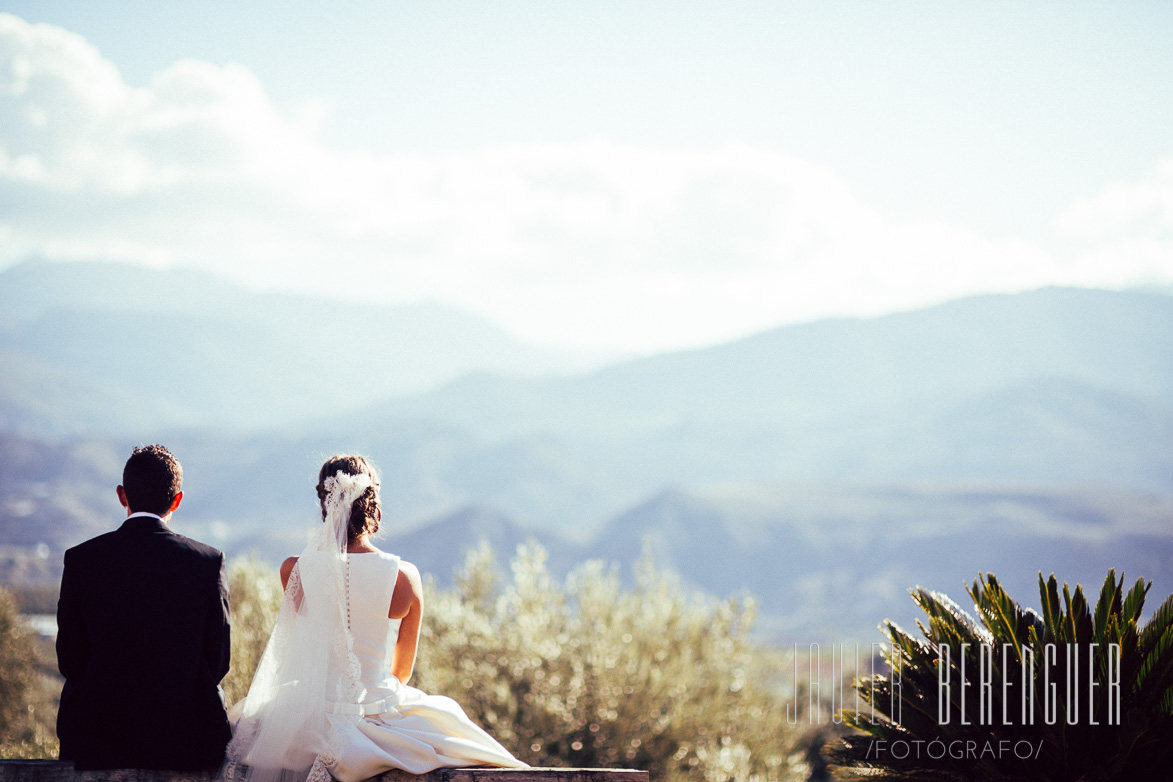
pixel 407 604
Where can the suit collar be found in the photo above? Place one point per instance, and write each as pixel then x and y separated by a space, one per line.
pixel 144 523
pixel 145 513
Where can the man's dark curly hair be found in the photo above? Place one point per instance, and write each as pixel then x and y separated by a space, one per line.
pixel 365 512
pixel 151 479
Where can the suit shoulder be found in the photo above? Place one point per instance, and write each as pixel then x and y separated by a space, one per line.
pixel 91 546
pixel 202 549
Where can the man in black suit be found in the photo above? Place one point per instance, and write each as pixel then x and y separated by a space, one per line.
pixel 142 636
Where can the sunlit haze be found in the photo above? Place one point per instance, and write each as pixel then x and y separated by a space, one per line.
pixel 613 176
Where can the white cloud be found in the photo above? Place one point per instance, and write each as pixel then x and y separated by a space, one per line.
pixel 1123 235
pixel 1126 209
pixel 592 243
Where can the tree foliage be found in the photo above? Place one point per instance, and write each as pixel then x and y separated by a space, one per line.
pixel 254 599
pixel 588 674
pixel 26 705
pixel 1076 741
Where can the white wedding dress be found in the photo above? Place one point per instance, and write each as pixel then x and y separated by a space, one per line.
pixel 323 702
pixel 389 725
pixel 402 727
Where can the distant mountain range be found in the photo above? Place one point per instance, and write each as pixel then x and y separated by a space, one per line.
pixel 838 370
pixel 106 348
pixel 829 561
pixel 824 560
pixel 825 467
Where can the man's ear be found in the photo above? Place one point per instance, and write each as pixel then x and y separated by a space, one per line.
pixel 122 497
pixel 175 502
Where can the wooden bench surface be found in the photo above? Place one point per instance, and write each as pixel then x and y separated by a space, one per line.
pixel 60 771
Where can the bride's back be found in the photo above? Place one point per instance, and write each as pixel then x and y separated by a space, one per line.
pixel 372 583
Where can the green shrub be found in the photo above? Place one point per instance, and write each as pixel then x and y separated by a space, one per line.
pixel 1139 747
pixel 254 597
pixel 588 674
pixel 27 709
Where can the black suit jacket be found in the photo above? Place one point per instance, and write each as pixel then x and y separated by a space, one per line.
pixel 142 642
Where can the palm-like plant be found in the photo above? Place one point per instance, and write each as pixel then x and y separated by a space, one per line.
pixel 1052 722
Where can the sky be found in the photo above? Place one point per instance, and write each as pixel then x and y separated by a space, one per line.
pixel 618 176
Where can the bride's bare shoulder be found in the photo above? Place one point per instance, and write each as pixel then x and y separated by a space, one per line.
pixel 409 590
pixel 286 569
pixel 411 574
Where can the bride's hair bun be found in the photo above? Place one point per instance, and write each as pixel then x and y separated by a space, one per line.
pixel 365 511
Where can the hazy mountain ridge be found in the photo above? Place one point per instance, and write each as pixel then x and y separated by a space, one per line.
pixel 48 400
pixel 225 356
pixel 825 467
pixel 829 370
pixel 825 560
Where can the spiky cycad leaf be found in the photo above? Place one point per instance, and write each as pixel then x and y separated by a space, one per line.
pixel 1134 602
pixel 1069 643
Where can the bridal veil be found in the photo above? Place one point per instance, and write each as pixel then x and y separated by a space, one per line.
pixel 308 681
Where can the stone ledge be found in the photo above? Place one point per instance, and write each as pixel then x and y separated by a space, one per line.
pixel 61 771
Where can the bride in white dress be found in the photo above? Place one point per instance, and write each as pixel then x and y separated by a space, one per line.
pixel 330 696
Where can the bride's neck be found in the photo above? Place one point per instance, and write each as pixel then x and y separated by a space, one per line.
pixel 359 545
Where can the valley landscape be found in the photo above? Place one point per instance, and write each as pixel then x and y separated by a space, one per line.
pixel 824 468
